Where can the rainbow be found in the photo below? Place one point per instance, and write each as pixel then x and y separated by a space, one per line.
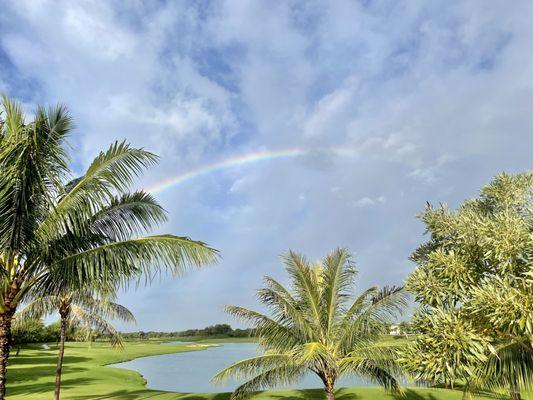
pixel 236 161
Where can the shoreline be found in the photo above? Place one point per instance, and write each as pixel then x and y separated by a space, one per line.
pixel 199 347
pixel 89 375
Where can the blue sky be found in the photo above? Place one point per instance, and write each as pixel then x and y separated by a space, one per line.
pixel 433 98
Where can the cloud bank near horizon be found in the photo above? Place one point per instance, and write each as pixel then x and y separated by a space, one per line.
pixel 432 98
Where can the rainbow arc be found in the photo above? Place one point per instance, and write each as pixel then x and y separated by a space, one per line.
pixel 245 159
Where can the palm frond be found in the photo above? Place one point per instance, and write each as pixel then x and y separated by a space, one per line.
pixel 270 332
pixel 111 173
pixel 511 364
pixel 247 367
pixel 368 356
pixel 313 355
pixel 285 308
pixel 383 306
pixel 372 371
pixel 89 320
pixel 110 310
pixel 37 309
pixel 120 262
pixel 305 286
pixel 338 275
pixel 285 375
pixel 130 214
pixel 33 162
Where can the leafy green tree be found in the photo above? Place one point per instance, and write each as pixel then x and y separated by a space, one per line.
pixel 31 331
pixel 505 307
pixel 57 233
pixel 219 329
pixel 52 332
pixel 475 289
pixel 318 326
pixel 77 310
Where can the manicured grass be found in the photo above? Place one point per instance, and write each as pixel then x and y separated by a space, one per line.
pixel 85 377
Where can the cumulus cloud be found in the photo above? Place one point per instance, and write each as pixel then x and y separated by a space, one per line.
pixel 367 201
pixel 397 104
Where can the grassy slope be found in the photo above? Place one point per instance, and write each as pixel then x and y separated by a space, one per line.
pixel 85 377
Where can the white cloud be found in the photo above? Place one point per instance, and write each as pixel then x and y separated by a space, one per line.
pixel 429 108
pixel 367 201
pixel 363 202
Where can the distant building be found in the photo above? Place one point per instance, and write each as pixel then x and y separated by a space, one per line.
pixel 394 329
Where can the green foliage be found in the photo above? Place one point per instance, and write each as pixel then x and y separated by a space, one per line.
pixel 448 348
pixel 87 315
pixel 505 304
pixel 34 331
pixel 475 289
pixel 222 330
pixel 58 234
pixel 213 331
pixel 317 325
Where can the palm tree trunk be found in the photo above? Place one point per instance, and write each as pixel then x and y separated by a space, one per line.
pixel 515 392
pixel 62 338
pixel 5 343
pixel 329 385
pixel 330 392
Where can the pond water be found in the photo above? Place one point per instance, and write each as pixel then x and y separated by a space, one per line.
pixel 192 371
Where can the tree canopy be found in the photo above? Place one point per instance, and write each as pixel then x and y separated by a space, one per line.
pixel 474 284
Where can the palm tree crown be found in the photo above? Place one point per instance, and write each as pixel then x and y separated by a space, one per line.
pixel 82 310
pixel 318 326
pixel 58 234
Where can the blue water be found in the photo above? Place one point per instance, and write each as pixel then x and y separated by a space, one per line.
pixel 192 371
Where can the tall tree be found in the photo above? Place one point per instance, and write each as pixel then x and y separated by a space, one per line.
pixel 77 310
pixel 475 289
pixel 318 326
pixel 82 233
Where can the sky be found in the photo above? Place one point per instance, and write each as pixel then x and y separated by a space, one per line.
pixel 283 124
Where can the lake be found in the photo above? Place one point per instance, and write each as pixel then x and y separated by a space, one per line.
pixel 192 371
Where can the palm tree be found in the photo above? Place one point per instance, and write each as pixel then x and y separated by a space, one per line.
pixel 80 309
pixel 57 234
pixel 318 326
pixel 510 366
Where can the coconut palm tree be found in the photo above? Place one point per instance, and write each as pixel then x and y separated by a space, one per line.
pixel 317 325
pixel 58 233
pixel 77 310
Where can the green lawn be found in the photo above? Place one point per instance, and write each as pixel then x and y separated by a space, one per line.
pixel 85 377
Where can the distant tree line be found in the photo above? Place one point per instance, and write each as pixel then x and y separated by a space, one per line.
pixel 36 331
pixel 218 330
